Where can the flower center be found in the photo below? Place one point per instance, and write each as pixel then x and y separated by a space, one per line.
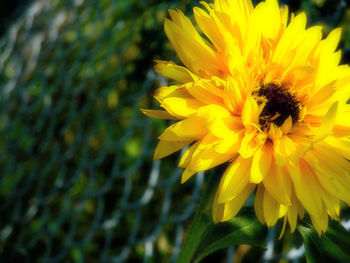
pixel 280 104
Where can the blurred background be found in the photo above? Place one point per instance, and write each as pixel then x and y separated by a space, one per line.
pixel 77 180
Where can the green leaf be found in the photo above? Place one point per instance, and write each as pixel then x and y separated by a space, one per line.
pixel 200 224
pixel 204 237
pixel 243 229
pixel 330 247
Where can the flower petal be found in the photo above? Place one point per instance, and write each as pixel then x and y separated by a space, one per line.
pixel 190 47
pixel 271 209
pixel 158 114
pixel 187 129
pixel 187 156
pixel 181 107
pixel 292 213
pixel 235 178
pixel 258 203
pixel 251 143
pixel 320 222
pixel 175 72
pixel 165 148
pixel 250 113
pixel 327 124
pixel 270 21
pixel 202 91
pixel 225 127
pixel 210 112
pixel 261 164
pixel 187 174
pixel 278 184
pixel 303 178
pixel 209 158
pixel 232 207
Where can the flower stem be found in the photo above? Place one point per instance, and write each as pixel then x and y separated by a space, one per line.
pixel 202 222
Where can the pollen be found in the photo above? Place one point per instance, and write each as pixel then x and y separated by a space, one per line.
pixel 279 105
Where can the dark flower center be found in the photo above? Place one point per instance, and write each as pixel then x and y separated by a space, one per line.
pixel 280 104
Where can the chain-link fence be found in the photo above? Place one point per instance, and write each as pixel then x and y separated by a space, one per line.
pixel 77 181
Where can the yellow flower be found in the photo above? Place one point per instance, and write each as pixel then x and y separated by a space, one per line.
pixel 266 95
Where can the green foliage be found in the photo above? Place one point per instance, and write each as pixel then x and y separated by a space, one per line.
pixel 330 247
pixel 243 229
pixel 204 237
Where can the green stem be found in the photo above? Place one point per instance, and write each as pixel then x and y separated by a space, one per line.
pixel 201 223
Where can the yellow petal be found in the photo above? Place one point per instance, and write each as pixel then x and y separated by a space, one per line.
pixel 251 143
pixel 235 93
pixel 250 113
pixel 333 161
pixel 187 129
pixel 271 209
pixel 232 207
pixel 225 127
pixel 331 42
pixel 207 24
pixel 271 20
pixel 282 210
pixel 252 50
pixel 327 124
pixel 328 59
pixel 332 181
pixel 291 39
pixel 210 112
pixel 284 15
pixel 341 131
pixel 292 213
pixel 339 145
pixel 229 144
pixel 320 222
pixel 181 107
pixel 261 164
pixel 306 188
pixel 278 184
pixel 283 228
pixel 331 203
pixel 171 91
pixel 321 96
pixel 203 92
pixel 287 125
pixel 217 210
pixel 302 54
pixel 187 156
pixel 190 47
pixel 175 72
pixel 187 174
pixel 275 132
pixel 235 178
pixel 205 156
pixel 165 148
pixel 209 158
pixel 284 148
pixel 158 114
pixel 258 203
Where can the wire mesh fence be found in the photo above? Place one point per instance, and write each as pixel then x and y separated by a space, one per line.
pixel 78 180
pixel 78 183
